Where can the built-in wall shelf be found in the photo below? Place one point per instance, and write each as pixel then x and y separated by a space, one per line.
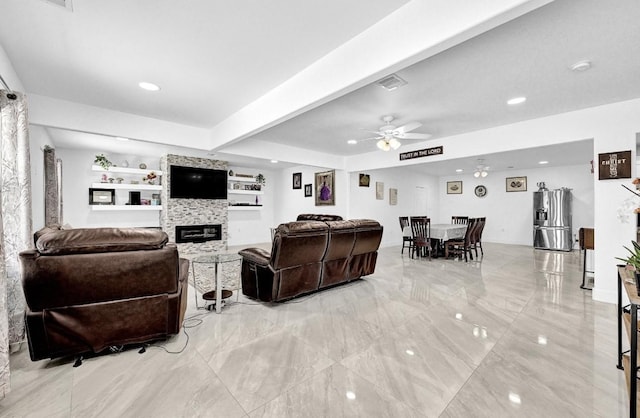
pixel 240 191
pixel 244 208
pixel 126 186
pixel 126 170
pixel 242 179
pixel 126 207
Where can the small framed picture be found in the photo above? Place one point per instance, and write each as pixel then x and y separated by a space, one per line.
pixel 516 184
pixel 454 187
pixel 308 190
pixel 393 196
pixel 297 180
pixel 364 181
pixel 102 196
pixel 379 190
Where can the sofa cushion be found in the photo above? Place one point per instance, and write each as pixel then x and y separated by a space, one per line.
pixel 92 240
pixel 47 229
pixel 317 217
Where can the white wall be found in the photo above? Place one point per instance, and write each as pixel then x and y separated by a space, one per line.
pixel 252 227
pixel 510 214
pixel 77 177
pixel 290 203
pixel 363 202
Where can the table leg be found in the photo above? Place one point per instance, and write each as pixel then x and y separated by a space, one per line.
pixel 195 291
pixel 218 290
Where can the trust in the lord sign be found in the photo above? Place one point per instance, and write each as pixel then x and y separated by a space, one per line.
pixel 427 152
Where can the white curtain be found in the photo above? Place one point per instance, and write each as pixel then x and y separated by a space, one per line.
pixel 15 223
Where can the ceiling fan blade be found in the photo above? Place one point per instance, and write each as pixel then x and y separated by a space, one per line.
pixel 414 136
pixel 409 127
pixel 370 138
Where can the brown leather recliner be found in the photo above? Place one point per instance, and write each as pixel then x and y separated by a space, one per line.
pixel 307 256
pixel 89 289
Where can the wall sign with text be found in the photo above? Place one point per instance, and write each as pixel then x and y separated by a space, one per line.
pixel 427 152
pixel 614 165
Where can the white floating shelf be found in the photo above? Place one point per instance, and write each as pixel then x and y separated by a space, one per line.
pixel 242 179
pixel 243 208
pixel 127 170
pixel 126 186
pixel 239 191
pixel 126 207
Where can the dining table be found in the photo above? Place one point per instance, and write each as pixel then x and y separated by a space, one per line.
pixel 442 233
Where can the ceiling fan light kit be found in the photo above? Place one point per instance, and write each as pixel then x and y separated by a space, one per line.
pixel 481 170
pixel 388 135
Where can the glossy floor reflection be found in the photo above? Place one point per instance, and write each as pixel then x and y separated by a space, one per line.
pixel 511 335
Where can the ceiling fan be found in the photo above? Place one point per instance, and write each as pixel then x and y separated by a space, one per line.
pixel 388 135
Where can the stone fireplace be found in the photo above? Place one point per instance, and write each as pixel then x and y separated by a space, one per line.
pixel 203 222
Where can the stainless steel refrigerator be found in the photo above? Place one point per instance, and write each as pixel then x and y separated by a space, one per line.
pixel 552 219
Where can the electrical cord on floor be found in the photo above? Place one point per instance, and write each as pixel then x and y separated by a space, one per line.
pixel 189 322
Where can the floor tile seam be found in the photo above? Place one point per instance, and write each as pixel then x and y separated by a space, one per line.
pixel 487 354
pixel 471 375
pixel 374 384
pixel 291 388
pixel 197 352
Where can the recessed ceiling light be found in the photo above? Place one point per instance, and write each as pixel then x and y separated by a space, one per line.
pixel 351 395
pixel 543 162
pixel 274 161
pixel 352 142
pixel 459 170
pixel 581 66
pixel 516 100
pixel 120 138
pixel 148 86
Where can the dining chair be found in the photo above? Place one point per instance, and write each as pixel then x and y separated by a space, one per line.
pixel 476 238
pixel 407 240
pixel 421 229
pixel 459 220
pixel 463 245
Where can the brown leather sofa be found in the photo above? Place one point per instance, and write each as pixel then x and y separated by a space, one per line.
pixel 318 217
pixel 89 289
pixel 307 256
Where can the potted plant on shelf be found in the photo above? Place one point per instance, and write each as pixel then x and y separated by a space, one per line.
pixel 260 179
pixel 633 259
pixel 102 161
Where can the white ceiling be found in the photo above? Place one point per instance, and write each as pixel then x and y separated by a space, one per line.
pixel 212 59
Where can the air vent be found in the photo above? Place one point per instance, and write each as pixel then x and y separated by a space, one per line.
pixel 391 82
pixel 62 3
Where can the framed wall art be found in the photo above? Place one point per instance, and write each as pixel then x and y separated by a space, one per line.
pixel 454 187
pixel 102 196
pixel 364 180
pixel 393 196
pixel 379 190
pixel 325 188
pixel 297 180
pixel 308 190
pixel 516 184
pixel 614 165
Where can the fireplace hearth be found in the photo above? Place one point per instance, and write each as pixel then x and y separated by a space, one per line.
pixel 198 233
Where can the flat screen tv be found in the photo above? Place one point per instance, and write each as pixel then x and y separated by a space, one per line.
pixel 198 183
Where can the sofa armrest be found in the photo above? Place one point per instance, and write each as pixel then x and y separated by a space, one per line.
pixel 257 256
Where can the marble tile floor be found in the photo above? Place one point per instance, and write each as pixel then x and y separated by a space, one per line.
pixel 511 335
